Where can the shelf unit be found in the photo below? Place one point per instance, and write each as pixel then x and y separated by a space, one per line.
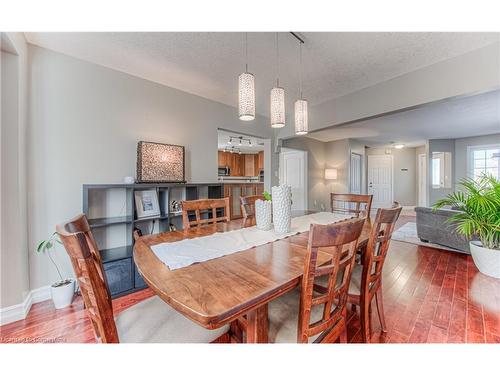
pixel 110 209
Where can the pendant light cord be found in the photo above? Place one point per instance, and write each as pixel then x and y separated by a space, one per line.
pixel 277 62
pixel 246 52
pixel 300 67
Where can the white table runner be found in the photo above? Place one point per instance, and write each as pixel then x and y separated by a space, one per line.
pixel 183 253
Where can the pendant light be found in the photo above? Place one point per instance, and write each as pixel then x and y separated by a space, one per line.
pixel 301 115
pixel 277 97
pixel 246 91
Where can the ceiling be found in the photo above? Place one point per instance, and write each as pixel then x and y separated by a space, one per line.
pixel 455 118
pixel 207 64
pixel 223 142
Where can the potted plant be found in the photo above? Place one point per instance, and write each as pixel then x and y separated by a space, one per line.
pixel 63 290
pixel 478 215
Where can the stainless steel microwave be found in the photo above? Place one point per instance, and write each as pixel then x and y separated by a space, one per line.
pixel 224 171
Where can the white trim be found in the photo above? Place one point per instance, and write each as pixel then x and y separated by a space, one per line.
pixel 14 313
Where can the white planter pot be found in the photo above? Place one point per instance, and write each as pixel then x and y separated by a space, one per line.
pixel 62 296
pixel 263 214
pixel 486 260
pixel 282 208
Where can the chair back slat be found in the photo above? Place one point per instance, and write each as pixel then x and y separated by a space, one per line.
pixel 340 240
pixel 377 248
pixel 207 205
pixel 248 205
pixel 357 205
pixel 81 247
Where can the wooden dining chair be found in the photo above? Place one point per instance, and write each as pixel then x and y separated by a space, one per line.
pixel 319 312
pixel 357 205
pixel 248 205
pixel 210 207
pixel 366 282
pixel 151 320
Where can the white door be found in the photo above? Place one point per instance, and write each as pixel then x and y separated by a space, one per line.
pixel 380 180
pixel 355 173
pixel 422 180
pixel 293 172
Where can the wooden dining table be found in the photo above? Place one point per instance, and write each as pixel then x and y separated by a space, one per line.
pixel 222 290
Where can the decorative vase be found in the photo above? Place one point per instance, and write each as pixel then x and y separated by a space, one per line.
pixel 282 208
pixel 62 293
pixel 486 260
pixel 263 214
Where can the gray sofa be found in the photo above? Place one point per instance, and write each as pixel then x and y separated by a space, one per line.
pixel 432 227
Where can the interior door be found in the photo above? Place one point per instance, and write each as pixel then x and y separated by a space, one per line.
pixel 293 172
pixel 355 173
pixel 380 180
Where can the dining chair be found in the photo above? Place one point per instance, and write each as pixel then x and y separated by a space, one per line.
pixel 311 313
pixel 248 205
pixel 351 204
pixel 210 206
pixel 366 281
pixel 151 320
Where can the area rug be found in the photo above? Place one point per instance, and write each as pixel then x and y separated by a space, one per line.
pixel 408 233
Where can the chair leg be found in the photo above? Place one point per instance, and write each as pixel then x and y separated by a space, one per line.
pixel 379 299
pixel 364 317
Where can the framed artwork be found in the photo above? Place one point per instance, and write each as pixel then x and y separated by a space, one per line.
pixel 159 162
pixel 146 203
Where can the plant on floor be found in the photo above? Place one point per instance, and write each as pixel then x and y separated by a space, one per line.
pixel 45 247
pixel 267 196
pixel 478 209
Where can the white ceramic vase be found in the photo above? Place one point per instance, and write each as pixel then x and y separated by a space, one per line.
pixel 486 260
pixel 62 295
pixel 282 208
pixel 263 214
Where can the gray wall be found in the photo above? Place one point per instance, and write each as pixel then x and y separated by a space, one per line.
pixel 86 121
pixel 461 145
pixel 14 278
pixel 405 181
pixel 337 155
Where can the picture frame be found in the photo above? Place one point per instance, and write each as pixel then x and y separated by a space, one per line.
pixel 146 203
pixel 160 162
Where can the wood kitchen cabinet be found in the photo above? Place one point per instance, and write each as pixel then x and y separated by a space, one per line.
pixel 235 191
pixel 261 160
pixel 250 165
pixel 222 159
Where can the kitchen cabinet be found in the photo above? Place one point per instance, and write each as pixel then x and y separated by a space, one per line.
pixel 250 165
pixel 234 191
pixel 261 160
pixel 223 159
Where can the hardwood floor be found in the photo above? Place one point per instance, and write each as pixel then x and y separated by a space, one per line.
pixel 430 295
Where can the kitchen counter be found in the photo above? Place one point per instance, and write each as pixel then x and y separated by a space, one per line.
pixel 239 180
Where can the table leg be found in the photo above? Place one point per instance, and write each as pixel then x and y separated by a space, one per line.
pixel 257 325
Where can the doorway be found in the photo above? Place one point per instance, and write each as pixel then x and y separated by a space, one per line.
pixel 422 180
pixel 293 172
pixel 380 180
pixel 355 187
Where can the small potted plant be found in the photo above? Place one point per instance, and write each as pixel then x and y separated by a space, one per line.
pixel 63 290
pixel 478 215
pixel 263 212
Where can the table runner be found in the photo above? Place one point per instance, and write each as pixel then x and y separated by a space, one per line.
pixel 183 253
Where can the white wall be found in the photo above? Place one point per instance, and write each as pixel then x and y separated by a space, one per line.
pixel 14 278
pixel 85 123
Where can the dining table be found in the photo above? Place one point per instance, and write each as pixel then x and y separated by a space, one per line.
pixel 234 287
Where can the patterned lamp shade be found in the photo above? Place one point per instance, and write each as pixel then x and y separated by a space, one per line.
pixel 246 96
pixel 158 162
pixel 301 121
pixel 277 107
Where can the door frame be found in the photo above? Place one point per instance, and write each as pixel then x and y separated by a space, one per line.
pixel 360 172
pixel 305 174
pixel 422 173
pixel 391 157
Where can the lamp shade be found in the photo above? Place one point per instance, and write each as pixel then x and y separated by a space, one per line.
pixel 330 174
pixel 277 107
pixel 301 121
pixel 246 97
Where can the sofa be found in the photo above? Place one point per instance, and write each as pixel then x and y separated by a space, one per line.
pixel 432 226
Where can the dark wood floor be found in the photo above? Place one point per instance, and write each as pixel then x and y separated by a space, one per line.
pixel 430 296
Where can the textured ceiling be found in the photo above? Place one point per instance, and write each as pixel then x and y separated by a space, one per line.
pixel 457 118
pixel 207 64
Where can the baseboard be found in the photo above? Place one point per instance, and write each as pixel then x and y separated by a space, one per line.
pixel 14 313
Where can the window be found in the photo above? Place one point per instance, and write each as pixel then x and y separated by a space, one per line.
pixel 484 159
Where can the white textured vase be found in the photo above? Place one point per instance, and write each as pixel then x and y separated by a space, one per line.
pixel 282 208
pixel 263 214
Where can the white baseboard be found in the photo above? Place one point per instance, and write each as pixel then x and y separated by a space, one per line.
pixel 14 313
